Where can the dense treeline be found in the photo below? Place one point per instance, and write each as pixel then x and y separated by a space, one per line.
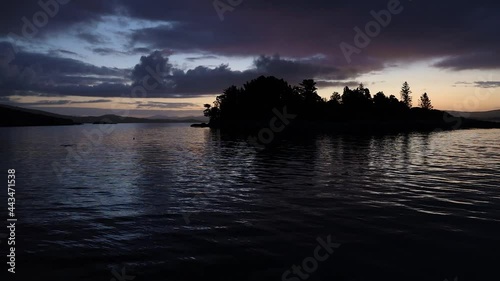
pixel 256 100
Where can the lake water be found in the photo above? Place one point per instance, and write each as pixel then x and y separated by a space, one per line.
pixel 170 202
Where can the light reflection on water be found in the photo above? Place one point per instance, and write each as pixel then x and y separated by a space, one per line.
pixel 408 206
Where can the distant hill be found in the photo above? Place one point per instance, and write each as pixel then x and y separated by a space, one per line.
pixel 18 116
pixel 186 119
pixel 493 115
pixel 110 118
pixel 14 117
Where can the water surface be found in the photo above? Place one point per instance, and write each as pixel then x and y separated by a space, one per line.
pixel 170 202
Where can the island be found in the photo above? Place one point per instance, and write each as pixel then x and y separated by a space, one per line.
pixel 273 105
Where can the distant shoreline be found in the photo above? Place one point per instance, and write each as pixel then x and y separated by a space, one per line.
pixel 22 117
pixel 360 125
pixel 81 124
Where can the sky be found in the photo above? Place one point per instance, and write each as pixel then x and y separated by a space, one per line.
pixel 157 57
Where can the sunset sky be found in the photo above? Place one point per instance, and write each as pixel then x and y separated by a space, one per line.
pixel 83 57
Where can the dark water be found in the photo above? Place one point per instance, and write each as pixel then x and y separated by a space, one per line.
pixel 169 202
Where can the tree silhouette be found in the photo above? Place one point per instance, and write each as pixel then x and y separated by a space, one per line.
pixel 258 100
pixel 364 91
pixel 425 102
pixel 406 95
pixel 308 90
pixel 380 99
pixel 254 101
pixel 335 98
pixel 212 112
pixel 206 112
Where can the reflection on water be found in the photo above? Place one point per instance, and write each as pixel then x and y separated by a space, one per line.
pixel 171 202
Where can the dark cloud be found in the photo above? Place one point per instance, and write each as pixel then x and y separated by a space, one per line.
pixel 67 16
pixel 140 50
pixel 201 58
pixel 64 52
pixel 50 65
pixel 91 38
pixel 64 102
pixel 483 60
pixel 99 90
pixel 202 80
pixel 171 105
pixel 460 31
pixel 153 76
pixel 303 28
pixel 152 67
pixel 110 51
pixel 212 80
pixel 92 101
pixel 306 34
pixel 107 51
pixel 351 84
pixel 44 74
pixel 296 70
pixel 463 84
pixel 487 84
